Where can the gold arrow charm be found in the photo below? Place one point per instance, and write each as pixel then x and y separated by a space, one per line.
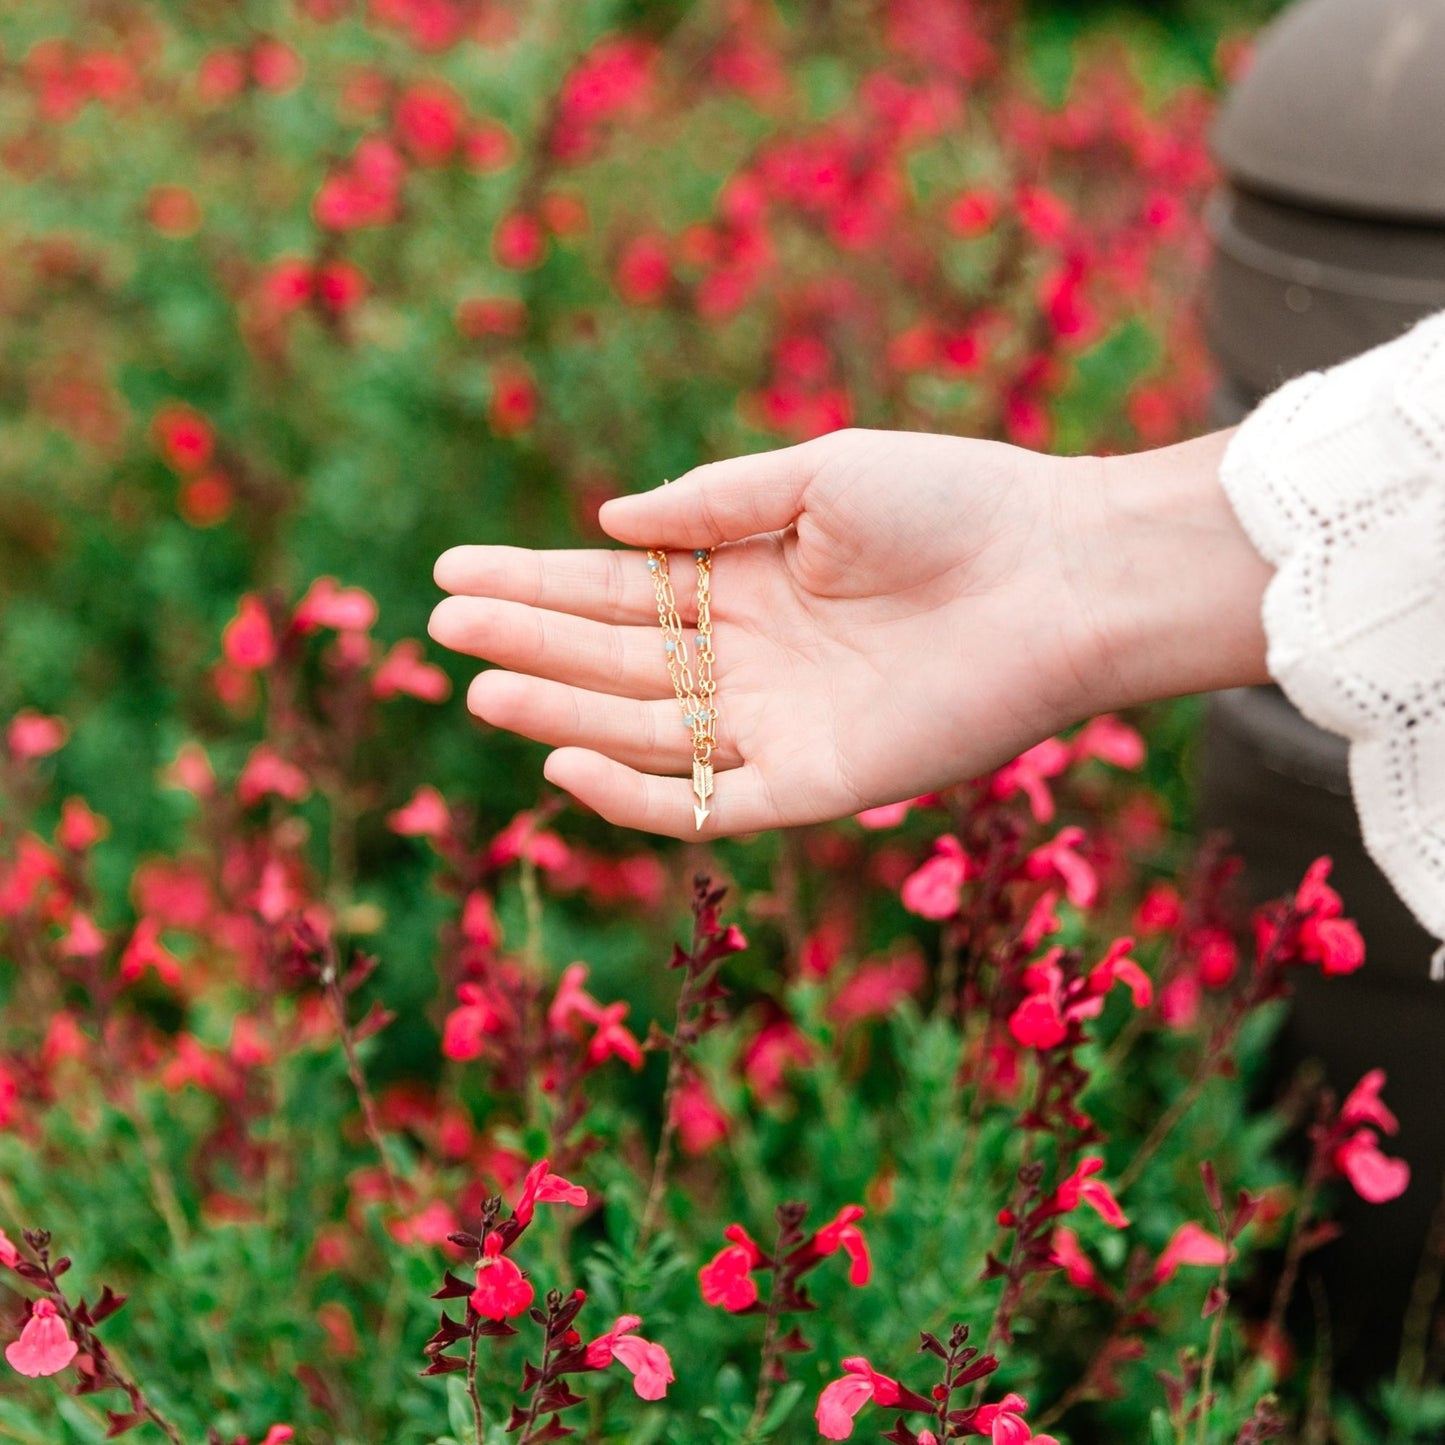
pixel 702 788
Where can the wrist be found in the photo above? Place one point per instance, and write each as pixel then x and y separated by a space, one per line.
pixel 1169 588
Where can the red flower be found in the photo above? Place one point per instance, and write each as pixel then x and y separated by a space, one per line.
pixel 1005 1423
pixel 44 1346
pixel 875 989
pixel 644 271
pixel 1066 1252
pixel 513 406
pixel 613 1039
pixel 973 213
pixel 540 1187
pixel 248 641
pixel 1190 1244
pixel 276 66
pixel 183 436
pixel 933 890
pixel 1060 859
pixel 403 670
pixel 466 1027
pixel 1111 741
pixel 327 604
pixel 519 242
pixel 501 1291
pixel 1365 1106
pixel 425 816
pixel 842 1400
pixel 700 1123
pixel 843 1233
pixel 1081 1188
pixel 429 120
pixel 651 1368
pixel 1376 1177
pixel 1327 938
pixel 145 950
pixel 1029 773
pixel 268 774
pixel 340 285
pixel 726 1279
pixel 32 735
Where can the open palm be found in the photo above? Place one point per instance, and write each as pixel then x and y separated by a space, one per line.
pixel 885 622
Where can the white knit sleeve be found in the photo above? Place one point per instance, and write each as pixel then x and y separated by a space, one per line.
pixel 1339 479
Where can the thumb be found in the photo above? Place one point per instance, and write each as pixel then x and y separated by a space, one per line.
pixel 716 502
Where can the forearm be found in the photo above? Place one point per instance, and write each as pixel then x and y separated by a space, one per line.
pixel 1171 588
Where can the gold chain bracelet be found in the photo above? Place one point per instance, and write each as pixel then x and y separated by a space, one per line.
pixel 696 696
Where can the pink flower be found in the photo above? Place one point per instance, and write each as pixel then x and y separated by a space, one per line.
pixel 613 1039
pixel 268 774
pixel 1376 1177
pixel 429 120
pixel 1161 910
pixel 888 815
pixel 279 1435
pixel 1327 938
pixel 248 641
pixel 80 829
pixel 466 1028
pixel 1066 1252
pixel 32 735
pixel 1190 1244
pixel 875 989
pixel 700 1122
pixel 540 1187
pixel 425 816
pixel 572 1001
pixel 651 1368
pixel 1365 1106
pixel 327 604
pixel 933 890
pixel 644 270
pixel 774 1050
pixel 1039 1022
pixel 842 1400
pixel 1111 741
pixel 403 670
pixel 1118 967
pixel 726 1279
pixel 1060 859
pixel 82 939
pixel 44 1346
pixel 1028 774
pixel 1081 1188
pixel 184 438
pixel 1006 1425
pixel 9 1255
pixel 843 1233
pixel 501 1291
pixel 145 950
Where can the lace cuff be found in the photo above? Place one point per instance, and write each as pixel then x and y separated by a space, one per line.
pixel 1339 480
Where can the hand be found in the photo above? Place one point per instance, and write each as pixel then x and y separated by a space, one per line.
pixel 893 612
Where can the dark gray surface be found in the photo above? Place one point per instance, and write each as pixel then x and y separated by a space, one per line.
pixel 1343 109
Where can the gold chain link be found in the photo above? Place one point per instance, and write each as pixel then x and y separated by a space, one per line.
pixel 696 697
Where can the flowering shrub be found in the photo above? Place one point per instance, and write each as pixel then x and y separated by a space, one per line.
pixel 323 287
pixel 932 1091
pixel 331 1060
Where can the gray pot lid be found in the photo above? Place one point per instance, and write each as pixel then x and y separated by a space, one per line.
pixel 1343 108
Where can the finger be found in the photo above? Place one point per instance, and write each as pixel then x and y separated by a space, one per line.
pixel 719 501
pixel 647 735
pixel 628 661
pixel 605 586
pixel 632 799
